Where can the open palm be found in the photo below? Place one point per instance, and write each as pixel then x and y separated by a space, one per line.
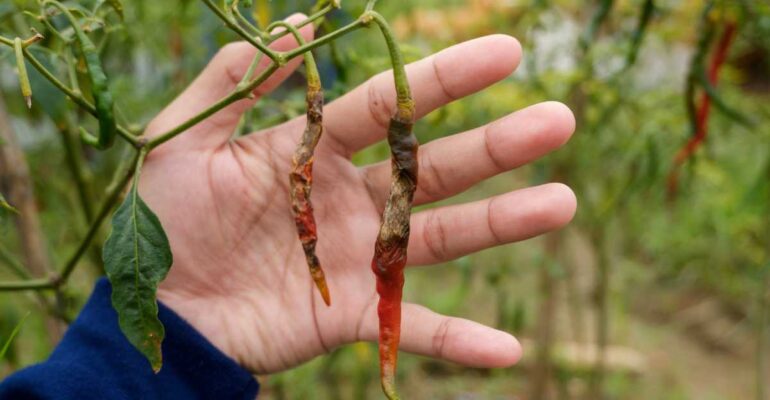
pixel 239 274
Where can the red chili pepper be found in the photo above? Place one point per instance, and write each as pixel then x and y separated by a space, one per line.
pixel 301 178
pixel 704 108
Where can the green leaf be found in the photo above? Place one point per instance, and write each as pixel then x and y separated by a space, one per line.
pixel 15 332
pixel 137 256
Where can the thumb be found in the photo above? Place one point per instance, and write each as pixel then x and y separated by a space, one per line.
pixel 217 81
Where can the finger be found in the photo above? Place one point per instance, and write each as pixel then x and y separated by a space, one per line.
pixel 445 233
pixel 360 118
pixel 217 81
pixel 453 339
pixel 453 164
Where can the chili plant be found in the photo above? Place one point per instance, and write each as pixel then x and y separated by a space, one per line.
pixel 137 255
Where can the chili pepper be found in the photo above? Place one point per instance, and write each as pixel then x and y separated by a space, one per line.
pixel 301 175
pixel 390 250
pixel 700 115
pixel 26 88
pixel 99 85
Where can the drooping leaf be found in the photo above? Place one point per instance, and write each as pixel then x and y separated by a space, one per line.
pixel 137 256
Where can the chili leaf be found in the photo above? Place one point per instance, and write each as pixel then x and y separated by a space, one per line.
pixel 137 256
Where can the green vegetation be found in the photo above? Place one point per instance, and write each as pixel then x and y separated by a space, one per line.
pixel 658 290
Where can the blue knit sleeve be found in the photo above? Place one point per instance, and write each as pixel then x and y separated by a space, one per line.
pixel 95 361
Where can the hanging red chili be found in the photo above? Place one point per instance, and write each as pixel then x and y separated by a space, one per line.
pixel 700 115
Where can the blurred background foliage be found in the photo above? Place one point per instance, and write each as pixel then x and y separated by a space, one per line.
pixel 654 292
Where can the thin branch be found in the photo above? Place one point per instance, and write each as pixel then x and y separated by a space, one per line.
pixel 56 281
pixel 34 284
pixel 76 97
pixel 238 94
pixel 359 23
pixel 232 24
pixel 108 204
pixel 311 19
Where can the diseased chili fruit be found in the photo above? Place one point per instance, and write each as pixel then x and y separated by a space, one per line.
pixel 390 251
pixel 301 175
pixel 301 179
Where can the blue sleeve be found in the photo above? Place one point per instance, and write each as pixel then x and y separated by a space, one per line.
pixel 95 361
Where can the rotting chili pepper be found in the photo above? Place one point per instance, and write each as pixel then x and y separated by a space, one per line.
pixel 301 175
pixel 103 100
pixel 390 250
pixel 26 88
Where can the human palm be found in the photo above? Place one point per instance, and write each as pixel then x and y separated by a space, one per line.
pixel 239 274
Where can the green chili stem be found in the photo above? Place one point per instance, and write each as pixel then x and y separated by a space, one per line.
pixel 324 39
pixel 313 77
pixel 397 59
pixel 232 24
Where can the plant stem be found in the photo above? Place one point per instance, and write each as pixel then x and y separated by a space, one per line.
pixel 313 77
pixel 238 94
pixel 232 24
pixel 76 97
pixel 397 59
pixel 311 19
pixel 324 39
pixel 34 284
pixel 107 205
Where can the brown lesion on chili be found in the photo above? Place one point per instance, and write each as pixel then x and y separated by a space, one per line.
pixel 301 179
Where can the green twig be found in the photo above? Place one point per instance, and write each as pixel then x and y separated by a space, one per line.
pixel 238 94
pixel 313 77
pixel 232 24
pixel 324 39
pixel 311 19
pixel 397 59
pixel 112 199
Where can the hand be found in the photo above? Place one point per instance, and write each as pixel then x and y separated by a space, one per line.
pixel 239 274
